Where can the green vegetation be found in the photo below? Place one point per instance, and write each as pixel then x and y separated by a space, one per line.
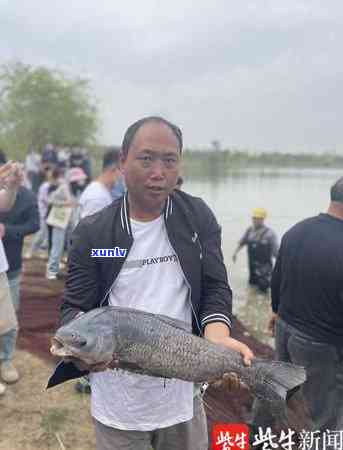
pixel 40 105
pixel 212 164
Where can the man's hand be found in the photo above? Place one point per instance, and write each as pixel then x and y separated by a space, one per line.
pixel 271 325
pixel 2 230
pixel 238 346
pixel 11 175
pixel 5 171
pixel 229 382
pixel 234 256
pixel 219 333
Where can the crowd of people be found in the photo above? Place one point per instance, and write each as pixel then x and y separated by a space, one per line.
pixel 65 193
pixel 55 156
pixel 151 217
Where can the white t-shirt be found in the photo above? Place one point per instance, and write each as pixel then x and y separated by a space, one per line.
pixel 43 194
pixel 3 259
pixel 32 162
pixel 150 280
pixel 95 197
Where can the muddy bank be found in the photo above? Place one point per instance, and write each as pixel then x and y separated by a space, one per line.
pixel 32 418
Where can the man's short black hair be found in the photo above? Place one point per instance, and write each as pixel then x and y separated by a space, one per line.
pixel 111 157
pixel 132 130
pixel 336 192
pixel 3 158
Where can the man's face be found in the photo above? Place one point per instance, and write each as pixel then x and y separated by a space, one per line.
pixel 151 167
pixel 257 222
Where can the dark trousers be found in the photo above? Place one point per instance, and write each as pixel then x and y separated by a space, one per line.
pixel 321 396
pixel 323 389
pixel 191 435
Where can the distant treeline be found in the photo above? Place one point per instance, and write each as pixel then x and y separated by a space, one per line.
pixel 220 163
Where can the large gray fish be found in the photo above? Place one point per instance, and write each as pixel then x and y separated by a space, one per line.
pixel 159 346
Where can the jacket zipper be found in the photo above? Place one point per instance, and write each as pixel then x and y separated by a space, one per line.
pixel 196 238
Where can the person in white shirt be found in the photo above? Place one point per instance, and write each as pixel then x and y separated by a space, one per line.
pixel 65 199
pixel 167 271
pixel 32 166
pixel 97 194
pixel 11 176
pixel 40 240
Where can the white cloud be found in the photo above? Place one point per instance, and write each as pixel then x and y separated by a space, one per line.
pixel 260 74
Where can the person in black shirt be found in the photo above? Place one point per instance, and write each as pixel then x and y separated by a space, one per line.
pixel 307 304
pixel 80 158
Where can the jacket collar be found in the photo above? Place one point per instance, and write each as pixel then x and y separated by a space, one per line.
pixel 168 208
pixel 125 213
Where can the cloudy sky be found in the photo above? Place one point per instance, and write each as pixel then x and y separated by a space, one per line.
pixel 260 74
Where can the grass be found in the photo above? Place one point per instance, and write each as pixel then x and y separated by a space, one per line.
pixel 53 422
pixel 32 418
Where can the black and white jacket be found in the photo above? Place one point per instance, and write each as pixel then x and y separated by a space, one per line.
pixel 195 237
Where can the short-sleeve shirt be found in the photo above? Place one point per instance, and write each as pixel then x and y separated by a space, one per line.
pixel 94 198
pixel 3 259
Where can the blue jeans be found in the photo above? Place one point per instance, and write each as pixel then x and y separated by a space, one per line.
pixel 41 237
pixel 14 279
pixel 7 345
pixel 57 248
pixel 323 389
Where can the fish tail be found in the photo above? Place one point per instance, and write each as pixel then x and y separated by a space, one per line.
pixel 283 378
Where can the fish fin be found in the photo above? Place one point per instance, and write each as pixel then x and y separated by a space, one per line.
pixel 281 376
pixel 132 367
pixel 64 371
pixel 175 322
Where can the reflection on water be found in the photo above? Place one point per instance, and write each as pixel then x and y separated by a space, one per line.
pixel 289 195
pixel 253 309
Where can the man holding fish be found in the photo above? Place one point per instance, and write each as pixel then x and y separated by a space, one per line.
pixel 186 280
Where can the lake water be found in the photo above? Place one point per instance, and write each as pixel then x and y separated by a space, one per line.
pixel 289 195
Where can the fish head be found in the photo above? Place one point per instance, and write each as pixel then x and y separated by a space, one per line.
pixel 88 338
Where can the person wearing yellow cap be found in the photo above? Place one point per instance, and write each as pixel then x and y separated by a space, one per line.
pixel 262 245
pixel 259 213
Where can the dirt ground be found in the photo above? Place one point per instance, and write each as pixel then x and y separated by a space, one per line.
pixel 32 418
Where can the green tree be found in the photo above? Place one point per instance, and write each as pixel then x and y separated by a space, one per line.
pixel 40 105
